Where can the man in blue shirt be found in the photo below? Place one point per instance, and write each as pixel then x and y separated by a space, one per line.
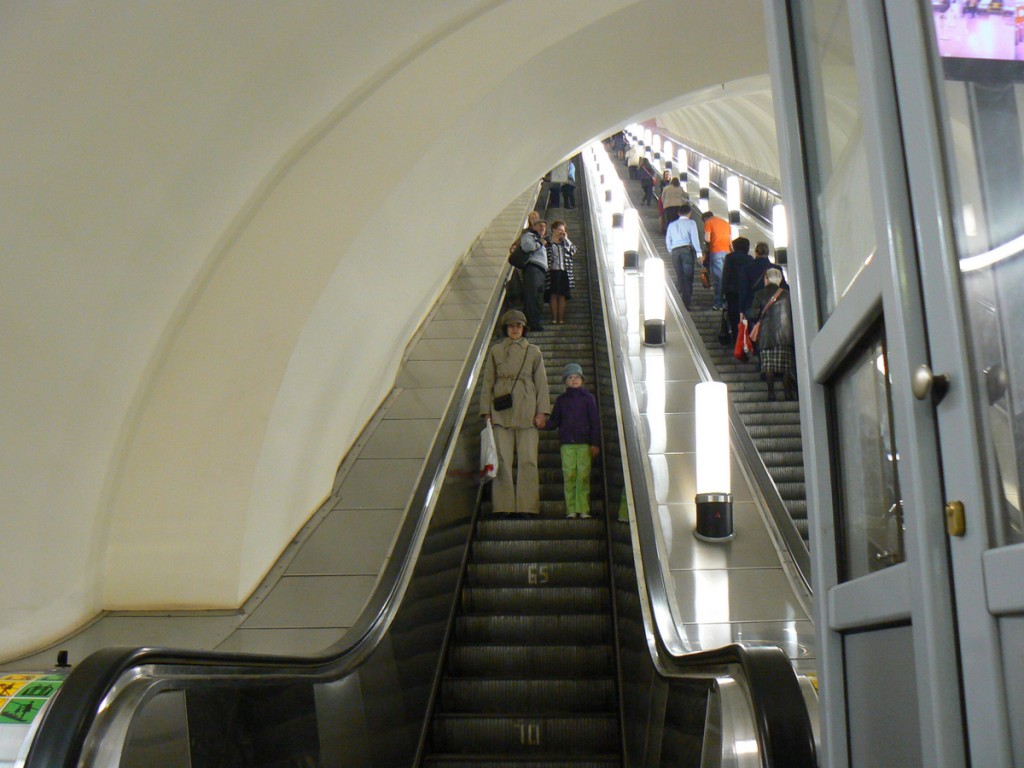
pixel 683 243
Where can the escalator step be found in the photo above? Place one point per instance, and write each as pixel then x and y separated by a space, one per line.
pixel 530 600
pixel 761 431
pixel 568 550
pixel 480 761
pixel 544 575
pixel 782 459
pixel 553 736
pixel 525 661
pixel 792 491
pixel 546 697
pixel 496 528
pixel 585 629
pixel 778 444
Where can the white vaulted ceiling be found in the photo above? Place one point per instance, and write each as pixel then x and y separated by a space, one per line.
pixel 220 224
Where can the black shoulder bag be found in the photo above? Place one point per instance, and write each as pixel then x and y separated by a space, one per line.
pixel 504 402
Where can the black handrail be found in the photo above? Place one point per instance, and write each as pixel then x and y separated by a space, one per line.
pixel 61 734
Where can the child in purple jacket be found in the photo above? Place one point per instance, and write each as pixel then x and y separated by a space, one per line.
pixel 576 418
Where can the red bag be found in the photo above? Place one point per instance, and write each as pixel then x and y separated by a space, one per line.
pixel 743 348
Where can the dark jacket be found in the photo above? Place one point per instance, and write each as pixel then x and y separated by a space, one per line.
pixel 752 281
pixel 732 277
pixel 777 323
pixel 575 417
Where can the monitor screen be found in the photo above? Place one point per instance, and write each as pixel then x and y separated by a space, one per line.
pixel 980 39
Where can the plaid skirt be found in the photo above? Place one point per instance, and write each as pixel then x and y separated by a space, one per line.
pixel 777 360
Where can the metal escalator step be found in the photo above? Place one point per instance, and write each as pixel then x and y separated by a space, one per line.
pixel 542 697
pixel 778 444
pixel 797 509
pixel 526 661
pixel 585 628
pixel 520 529
pixel 761 431
pixel 544 575
pixel 774 459
pixel 590 735
pixel 543 551
pixel 482 761
pixel 795 491
pixel 787 474
pixel 766 406
pixel 531 600
pixel 761 418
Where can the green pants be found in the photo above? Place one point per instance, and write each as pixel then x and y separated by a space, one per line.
pixel 576 476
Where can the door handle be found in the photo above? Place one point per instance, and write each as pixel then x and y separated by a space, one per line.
pixel 924 383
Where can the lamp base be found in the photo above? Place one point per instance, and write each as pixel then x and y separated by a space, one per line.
pixel 630 260
pixel 714 517
pixel 654 333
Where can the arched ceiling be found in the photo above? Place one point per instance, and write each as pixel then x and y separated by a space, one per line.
pixel 220 225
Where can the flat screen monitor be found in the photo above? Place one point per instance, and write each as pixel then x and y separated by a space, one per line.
pixel 980 40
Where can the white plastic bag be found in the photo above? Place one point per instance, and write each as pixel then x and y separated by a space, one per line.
pixel 488 454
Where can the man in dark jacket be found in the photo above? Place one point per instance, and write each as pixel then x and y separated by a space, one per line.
pixel 732 277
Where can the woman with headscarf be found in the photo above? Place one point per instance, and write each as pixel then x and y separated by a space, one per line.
pixel 775 346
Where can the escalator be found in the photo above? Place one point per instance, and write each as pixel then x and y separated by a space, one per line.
pixel 531 667
pixel 489 641
pixel 773 426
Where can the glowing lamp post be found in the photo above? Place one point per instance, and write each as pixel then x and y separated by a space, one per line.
pixel 654 301
pixel 656 146
pixel 732 199
pixel 714 484
pixel 780 233
pixel 704 182
pixel 666 151
pixel 683 161
pixel 630 237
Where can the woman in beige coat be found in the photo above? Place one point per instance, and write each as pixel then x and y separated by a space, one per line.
pixel 515 366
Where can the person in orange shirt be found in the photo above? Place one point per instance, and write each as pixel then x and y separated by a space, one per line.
pixel 718 236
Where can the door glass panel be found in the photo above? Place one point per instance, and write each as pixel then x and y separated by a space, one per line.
pixel 870 513
pixel 839 166
pixel 981 70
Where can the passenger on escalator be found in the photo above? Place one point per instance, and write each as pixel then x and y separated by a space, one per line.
pixel 633 161
pixel 558 281
pixel 732 279
pixel 775 345
pixel 516 401
pixel 752 276
pixel 672 199
pixel 683 243
pixel 578 422
pixel 718 235
pixel 534 242
pixel 648 178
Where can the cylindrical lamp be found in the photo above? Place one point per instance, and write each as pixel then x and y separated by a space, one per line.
pixel 667 153
pixel 648 137
pixel 683 161
pixel 714 484
pixel 704 179
pixel 656 146
pixel 780 233
pixel 630 237
pixel 654 301
pixel 732 198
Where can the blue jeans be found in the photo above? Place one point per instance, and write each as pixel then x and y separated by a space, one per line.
pixel 717 261
pixel 683 259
